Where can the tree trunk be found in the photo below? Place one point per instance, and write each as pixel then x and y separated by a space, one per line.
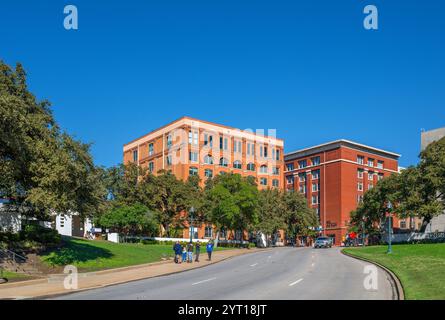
pixel 215 243
pixel 424 224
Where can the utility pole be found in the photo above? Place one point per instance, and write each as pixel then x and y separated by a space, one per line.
pixel 389 207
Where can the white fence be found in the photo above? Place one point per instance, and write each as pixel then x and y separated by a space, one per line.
pixel 415 236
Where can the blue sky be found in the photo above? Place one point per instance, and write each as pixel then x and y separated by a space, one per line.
pixel 305 68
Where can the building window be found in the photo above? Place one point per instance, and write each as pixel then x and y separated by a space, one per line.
pixel 290 179
pixel 208 159
pixel 208 140
pixel 360 159
pixel 359 198
pixel 223 162
pixel 275 170
pixel 135 156
pixel 302 177
pixel 169 160
pixel 223 143
pixel 275 183
pixel 261 151
pixel 193 171
pixel 380 176
pixel 315 174
pixel 370 175
pixel 315 161
pixel 278 155
pixel 263 169
pixel 208 173
pixel 360 173
pixel 370 186
pixel 237 146
pixel 151 149
pixel 265 152
pixel 263 181
pixel 302 164
pixel 193 137
pixel 208 232
pixel 193 156
pixel 314 199
pixel 290 166
pixel 380 164
pixel 169 141
pixel 402 224
pixel 250 166
pixel 250 148
pixel 151 166
pixel 360 186
pixel 314 187
pixel 370 162
pixel 237 164
pixel 302 188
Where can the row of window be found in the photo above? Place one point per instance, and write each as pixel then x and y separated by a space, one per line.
pixel 193 171
pixel 371 162
pixel 360 186
pixel 371 175
pixel 314 161
pixel 302 177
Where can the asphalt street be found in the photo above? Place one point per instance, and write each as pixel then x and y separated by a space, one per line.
pixel 280 273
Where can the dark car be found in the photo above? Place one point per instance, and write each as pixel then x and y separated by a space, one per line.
pixel 323 242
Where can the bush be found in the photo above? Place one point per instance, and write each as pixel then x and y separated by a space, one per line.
pixel 36 234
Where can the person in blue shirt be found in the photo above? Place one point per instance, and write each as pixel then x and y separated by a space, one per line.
pixel 178 250
pixel 209 249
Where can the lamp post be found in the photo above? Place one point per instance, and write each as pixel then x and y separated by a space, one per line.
pixel 363 232
pixel 191 213
pixel 389 207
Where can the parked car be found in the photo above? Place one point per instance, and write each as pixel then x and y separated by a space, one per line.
pixel 323 242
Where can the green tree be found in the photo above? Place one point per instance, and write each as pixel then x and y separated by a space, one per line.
pixel 43 170
pixel 232 201
pixel 271 212
pixel 299 218
pixel 136 219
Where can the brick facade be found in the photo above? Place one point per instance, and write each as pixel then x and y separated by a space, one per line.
pixel 334 176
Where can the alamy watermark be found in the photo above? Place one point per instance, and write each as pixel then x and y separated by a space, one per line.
pixel 70 281
pixel 71 20
pixel 371 281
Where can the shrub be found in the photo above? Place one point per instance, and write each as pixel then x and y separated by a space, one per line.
pixel 33 233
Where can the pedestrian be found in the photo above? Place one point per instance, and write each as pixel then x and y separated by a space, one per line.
pixel 184 254
pixel 190 252
pixel 197 250
pixel 178 250
pixel 209 249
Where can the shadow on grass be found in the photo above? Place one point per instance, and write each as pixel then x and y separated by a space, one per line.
pixel 79 251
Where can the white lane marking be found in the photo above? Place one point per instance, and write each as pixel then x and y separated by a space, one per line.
pixel 253 265
pixel 294 283
pixel 203 281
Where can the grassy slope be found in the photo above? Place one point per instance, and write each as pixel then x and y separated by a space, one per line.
pixel 95 255
pixel 420 267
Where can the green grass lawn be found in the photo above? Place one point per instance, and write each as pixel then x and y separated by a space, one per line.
pixel 420 267
pixel 94 255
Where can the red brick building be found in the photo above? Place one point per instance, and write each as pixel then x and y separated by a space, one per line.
pixel 334 176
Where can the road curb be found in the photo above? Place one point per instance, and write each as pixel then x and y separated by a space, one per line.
pixel 40 297
pixel 397 284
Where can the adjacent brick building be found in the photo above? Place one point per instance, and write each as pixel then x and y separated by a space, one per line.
pixel 190 146
pixel 334 176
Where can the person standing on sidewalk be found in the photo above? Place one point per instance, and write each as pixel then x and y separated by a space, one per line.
pixel 184 254
pixel 178 250
pixel 209 249
pixel 190 252
pixel 197 250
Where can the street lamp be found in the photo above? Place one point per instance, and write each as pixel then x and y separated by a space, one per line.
pixel 363 232
pixel 191 213
pixel 389 207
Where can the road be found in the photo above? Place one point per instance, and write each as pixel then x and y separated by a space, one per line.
pixel 280 273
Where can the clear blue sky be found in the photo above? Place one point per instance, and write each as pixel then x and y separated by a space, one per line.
pixel 306 68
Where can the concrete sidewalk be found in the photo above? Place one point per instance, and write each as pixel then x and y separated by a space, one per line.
pixel 53 284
